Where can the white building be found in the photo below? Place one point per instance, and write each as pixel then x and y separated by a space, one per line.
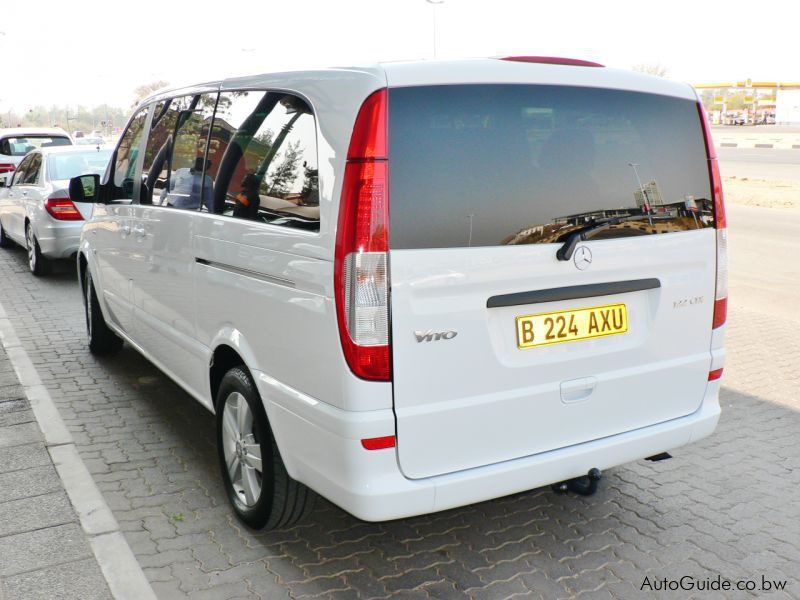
pixel 787 106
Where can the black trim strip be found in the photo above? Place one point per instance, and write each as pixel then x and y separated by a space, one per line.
pixel 573 292
pixel 245 272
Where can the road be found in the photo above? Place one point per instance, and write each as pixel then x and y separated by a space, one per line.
pixel 765 273
pixel 760 163
pixel 726 505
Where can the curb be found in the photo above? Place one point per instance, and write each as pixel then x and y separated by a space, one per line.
pixel 119 566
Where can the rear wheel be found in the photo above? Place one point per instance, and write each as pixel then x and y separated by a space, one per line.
pixel 102 340
pixel 37 263
pixel 5 242
pixel 259 488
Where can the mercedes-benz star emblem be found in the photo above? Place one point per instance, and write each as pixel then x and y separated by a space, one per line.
pixel 583 258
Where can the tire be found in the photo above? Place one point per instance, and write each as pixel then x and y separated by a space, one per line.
pixel 102 341
pixel 268 499
pixel 37 263
pixel 5 242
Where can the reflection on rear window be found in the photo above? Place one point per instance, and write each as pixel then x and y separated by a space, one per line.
pixel 67 165
pixel 490 165
pixel 20 146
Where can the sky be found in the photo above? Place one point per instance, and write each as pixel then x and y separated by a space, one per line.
pixel 92 52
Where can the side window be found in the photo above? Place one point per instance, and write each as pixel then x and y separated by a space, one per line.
pixel 124 173
pixel 22 169
pixel 33 170
pixel 155 170
pixel 186 185
pixel 263 159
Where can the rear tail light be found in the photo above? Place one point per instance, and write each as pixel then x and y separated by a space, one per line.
pixel 714 375
pixel 721 224
pixel 62 209
pixel 7 168
pixel 362 242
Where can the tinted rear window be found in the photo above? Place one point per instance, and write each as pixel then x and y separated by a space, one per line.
pixel 490 165
pixel 72 164
pixel 20 146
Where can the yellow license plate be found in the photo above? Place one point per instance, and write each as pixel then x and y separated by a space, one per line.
pixel 571 325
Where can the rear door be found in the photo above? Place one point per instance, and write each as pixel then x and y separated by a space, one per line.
pixel 33 197
pixel 501 350
pixel 14 217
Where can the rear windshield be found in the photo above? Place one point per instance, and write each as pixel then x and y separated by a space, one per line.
pixel 491 165
pixel 20 146
pixel 67 165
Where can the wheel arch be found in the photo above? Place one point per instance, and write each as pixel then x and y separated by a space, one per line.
pixel 223 359
pixel 83 264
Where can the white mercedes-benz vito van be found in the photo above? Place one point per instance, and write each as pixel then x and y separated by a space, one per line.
pixel 415 286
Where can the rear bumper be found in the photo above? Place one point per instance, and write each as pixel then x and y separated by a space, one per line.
pixel 59 240
pixel 321 447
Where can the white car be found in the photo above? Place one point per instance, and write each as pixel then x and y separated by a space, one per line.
pixel 415 286
pixel 18 141
pixel 36 210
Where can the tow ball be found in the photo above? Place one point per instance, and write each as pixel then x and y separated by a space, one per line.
pixel 585 485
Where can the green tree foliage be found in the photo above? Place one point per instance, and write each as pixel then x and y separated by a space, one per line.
pixel 735 101
pixel 82 118
pixel 144 90
pixel 280 179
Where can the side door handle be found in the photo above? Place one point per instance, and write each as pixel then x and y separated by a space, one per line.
pixel 140 232
pixel 126 229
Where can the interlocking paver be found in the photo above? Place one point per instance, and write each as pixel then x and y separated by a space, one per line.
pixel 725 505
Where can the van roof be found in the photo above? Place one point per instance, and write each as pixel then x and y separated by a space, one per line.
pixel 462 71
pixel 494 70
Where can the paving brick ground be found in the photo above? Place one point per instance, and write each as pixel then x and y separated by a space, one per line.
pixel 44 552
pixel 725 506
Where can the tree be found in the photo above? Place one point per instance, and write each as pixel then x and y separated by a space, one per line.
pixel 656 69
pixel 284 175
pixel 144 90
pixel 736 100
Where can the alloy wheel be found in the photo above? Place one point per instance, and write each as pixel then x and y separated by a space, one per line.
pixel 89 308
pixel 242 449
pixel 30 243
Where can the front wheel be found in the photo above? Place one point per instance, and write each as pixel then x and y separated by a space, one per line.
pixel 102 340
pixel 37 263
pixel 259 488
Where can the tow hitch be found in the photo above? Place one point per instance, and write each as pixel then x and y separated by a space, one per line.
pixel 585 485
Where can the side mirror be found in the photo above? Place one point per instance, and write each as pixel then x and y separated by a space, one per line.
pixel 84 188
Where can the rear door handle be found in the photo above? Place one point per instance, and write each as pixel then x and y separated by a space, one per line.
pixel 577 390
pixel 140 232
pixel 126 229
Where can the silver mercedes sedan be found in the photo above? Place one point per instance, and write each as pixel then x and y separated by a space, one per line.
pixel 36 210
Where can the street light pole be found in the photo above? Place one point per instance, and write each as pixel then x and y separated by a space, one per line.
pixel 435 4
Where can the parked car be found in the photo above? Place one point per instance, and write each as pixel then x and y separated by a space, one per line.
pixel 17 142
pixel 36 210
pixel 89 141
pixel 416 286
